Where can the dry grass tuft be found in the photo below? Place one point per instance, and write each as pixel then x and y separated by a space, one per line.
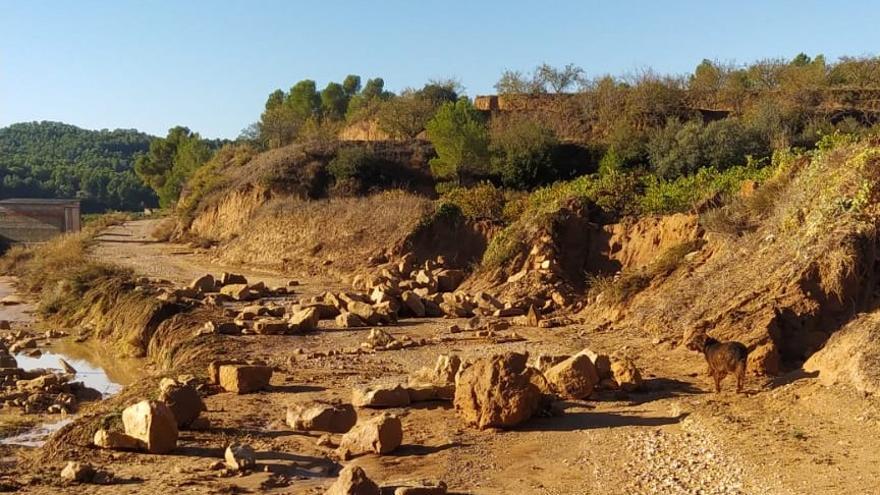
pixel 164 229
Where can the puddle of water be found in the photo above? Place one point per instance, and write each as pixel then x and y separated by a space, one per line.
pixel 92 376
pixel 36 436
pixel 95 367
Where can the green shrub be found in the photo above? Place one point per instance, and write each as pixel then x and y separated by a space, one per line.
pixel 679 149
pixel 356 167
pixel 483 201
pixel 688 192
pixel 523 152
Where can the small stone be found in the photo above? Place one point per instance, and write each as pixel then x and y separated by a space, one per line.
pixel 321 416
pixel 353 480
pixel 380 396
pixel 380 435
pixel 240 457
pixel 81 472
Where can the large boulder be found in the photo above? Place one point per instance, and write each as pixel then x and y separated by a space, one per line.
pixel 449 280
pixel 305 320
pixel 425 488
pixel 497 392
pixel 413 304
pixel 349 320
pixel 380 435
pixel 353 480
pixel 244 379
pixel 81 472
pixel 443 372
pixel 153 424
pixel 379 396
pixel 183 400
pixel 601 361
pixel 232 278
pixel 435 383
pixel 321 416
pixel 203 284
pixel 364 311
pixel 238 292
pixel 573 378
pixel 271 326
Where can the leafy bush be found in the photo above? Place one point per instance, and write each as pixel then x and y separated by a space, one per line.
pixel 356 166
pixel 524 152
pixel 483 201
pixel 616 193
pixel 687 192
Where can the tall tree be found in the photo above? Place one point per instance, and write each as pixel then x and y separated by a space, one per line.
pixel 351 85
pixel 334 101
pixel 458 133
pixel 304 100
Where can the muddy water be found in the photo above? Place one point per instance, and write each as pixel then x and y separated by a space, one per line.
pixel 95 366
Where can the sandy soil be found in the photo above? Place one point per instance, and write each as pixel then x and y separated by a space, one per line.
pixel 785 436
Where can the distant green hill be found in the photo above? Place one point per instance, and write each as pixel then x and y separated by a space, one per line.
pixel 56 160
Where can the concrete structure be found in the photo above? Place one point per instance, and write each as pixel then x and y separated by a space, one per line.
pixel 30 220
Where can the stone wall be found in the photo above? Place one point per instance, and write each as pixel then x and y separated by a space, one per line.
pixel 37 220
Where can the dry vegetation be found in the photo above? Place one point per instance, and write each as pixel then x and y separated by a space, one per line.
pixel 295 234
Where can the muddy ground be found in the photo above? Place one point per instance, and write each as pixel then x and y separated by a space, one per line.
pixel 789 435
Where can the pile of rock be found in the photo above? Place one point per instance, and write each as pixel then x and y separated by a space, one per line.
pixel 210 290
pixel 380 435
pixel 576 377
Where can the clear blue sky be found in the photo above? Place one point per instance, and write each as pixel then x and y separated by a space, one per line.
pixel 209 65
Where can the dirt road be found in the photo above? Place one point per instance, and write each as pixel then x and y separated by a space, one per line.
pixel 788 436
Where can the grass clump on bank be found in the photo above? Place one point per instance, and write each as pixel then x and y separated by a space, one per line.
pixel 61 265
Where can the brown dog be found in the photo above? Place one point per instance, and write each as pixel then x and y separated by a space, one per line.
pixel 723 358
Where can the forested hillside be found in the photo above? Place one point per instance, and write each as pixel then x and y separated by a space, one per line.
pixel 52 159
